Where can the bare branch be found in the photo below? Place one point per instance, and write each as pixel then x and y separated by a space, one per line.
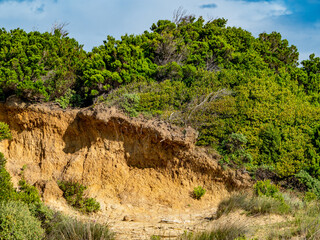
pixel 216 95
pixel 60 27
pixel 178 15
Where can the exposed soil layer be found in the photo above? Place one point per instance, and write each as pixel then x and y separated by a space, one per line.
pixel 137 169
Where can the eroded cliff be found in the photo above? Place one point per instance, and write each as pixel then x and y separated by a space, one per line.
pixel 124 161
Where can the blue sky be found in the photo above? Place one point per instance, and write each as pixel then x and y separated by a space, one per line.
pixel 91 21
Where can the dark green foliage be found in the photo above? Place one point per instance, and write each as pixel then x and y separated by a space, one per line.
pixel 233 150
pixel 17 223
pixel 27 193
pixel 270 145
pixel 310 196
pixel 45 215
pixel 73 193
pixel 276 51
pixel 7 191
pixel 269 190
pixel 130 104
pixel 67 99
pixel 198 192
pixel 312 184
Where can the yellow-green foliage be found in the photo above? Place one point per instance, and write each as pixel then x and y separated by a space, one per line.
pixel 198 192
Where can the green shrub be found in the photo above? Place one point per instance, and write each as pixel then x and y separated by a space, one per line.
pixel 65 100
pixel 4 131
pixel 270 147
pixel 265 205
pixel 233 150
pixel 312 184
pixel 72 229
pixel 91 205
pixel 73 193
pixel 198 192
pixel 155 237
pixel 309 196
pixel 130 103
pixel 17 223
pixel 45 215
pixel 27 193
pixel 266 188
pixel 7 191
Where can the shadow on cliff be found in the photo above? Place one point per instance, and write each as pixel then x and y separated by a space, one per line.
pixel 144 145
pixel 77 136
pixel 140 147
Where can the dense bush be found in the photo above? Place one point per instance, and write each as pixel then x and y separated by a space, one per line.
pixel 312 184
pixel 38 66
pixel 17 223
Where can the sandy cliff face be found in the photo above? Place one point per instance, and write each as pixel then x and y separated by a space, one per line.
pixel 124 161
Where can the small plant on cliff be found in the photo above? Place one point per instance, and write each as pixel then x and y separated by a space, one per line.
pixel 4 131
pixel 198 192
pixel 73 193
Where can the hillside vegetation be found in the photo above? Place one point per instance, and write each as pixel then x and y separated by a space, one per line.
pixel 248 97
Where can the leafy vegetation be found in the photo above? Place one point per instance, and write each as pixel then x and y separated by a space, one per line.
pixel 198 192
pixel 17 223
pixel 312 184
pixel 73 193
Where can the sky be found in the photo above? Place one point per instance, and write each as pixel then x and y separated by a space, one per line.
pixel 89 22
